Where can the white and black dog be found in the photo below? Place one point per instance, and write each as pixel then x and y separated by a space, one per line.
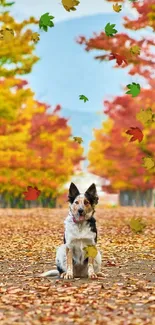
pixel 80 231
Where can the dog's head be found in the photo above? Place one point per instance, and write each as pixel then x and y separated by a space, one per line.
pixel 82 205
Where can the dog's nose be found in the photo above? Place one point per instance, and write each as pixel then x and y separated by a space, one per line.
pixel 80 211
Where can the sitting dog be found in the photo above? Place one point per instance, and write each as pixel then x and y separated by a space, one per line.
pixel 80 232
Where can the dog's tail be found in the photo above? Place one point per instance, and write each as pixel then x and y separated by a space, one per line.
pixel 50 273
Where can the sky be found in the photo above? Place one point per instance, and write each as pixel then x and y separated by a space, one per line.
pixel 23 8
pixel 65 70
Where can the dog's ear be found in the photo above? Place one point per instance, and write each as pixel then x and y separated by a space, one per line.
pixel 91 194
pixel 73 193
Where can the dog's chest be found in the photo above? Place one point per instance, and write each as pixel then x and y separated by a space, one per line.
pixel 78 237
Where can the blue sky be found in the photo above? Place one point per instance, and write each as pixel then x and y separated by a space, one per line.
pixel 65 70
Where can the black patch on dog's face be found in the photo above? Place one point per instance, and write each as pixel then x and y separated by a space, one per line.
pixel 91 194
pixel 73 193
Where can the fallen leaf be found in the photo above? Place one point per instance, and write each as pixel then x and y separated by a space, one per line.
pixel 84 98
pixel 78 139
pixel 146 116
pixel 35 37
pixel 6 34
pixel 119 58
pixel 135 49
pixel 136 224
pixel 134 89
pixel 148 163
pixel 117 7
pixel 90 251
pixel 70 5
pixel 136 133
pixel 32 193
pixel 46 21
pixel 110 30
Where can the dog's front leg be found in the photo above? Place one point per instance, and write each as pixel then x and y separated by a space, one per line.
pixel 69 261
pixel 91 273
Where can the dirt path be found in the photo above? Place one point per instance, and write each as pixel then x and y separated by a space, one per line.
pixel 125 296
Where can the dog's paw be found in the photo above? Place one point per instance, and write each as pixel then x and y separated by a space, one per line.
pixel 92 275
pixel 100 274
pixel 67 275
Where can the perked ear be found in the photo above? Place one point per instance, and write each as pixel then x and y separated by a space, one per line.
pixel 73 193
pixel 91 194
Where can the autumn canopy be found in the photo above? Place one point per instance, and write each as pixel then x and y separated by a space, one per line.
pixel 112 155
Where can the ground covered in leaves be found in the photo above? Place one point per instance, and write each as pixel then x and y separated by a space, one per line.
pixel 124 296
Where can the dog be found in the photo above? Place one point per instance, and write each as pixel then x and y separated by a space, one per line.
pixel 80 232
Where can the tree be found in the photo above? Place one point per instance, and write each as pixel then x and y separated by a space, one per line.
pixel 111 155
pixel 36 149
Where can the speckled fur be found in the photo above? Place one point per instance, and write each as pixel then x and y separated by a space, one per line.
pixel 78 234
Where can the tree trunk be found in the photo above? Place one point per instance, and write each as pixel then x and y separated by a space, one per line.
pixel 136 198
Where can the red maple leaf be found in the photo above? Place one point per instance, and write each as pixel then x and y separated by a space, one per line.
pixel 136 133
pixel 32 193
pixel 119 58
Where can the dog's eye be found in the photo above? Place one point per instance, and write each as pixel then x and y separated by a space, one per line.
pixel 76 202
pixel 86 202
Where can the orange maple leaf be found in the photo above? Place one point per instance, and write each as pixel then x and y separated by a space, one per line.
pixel 119 58
pixel 136 133
pixel 32 193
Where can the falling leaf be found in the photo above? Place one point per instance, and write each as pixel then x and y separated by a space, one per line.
pixel 90 251
pixel 136 224
pixel 70 5
pixel 6 34
pixel 136 133
pixel 148 163
pixel 117 7
pixel 134 89
pixel 119 58
pixel 46 21
pixel 84 98
pixel 135 49
pixel 145 116
pixel 32 193
pixel 109 29
pixel 6 4
pixel 35 37
pixel 78 140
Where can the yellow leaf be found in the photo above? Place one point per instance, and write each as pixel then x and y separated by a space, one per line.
pixel 135 49
pixel 35 37
pixel 117 7
pixel 70 4
pixel 78 139
pixel 148 163
pixel 91 251
pixel 136 224
pixel 7 34
pixel 145 116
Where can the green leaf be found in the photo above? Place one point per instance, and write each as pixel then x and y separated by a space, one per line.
pixel 8 4
pixel 134 89
pixel 46 21
pixel 84 98
pixel 109 29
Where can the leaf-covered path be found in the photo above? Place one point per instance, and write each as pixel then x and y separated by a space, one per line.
pixel 126 294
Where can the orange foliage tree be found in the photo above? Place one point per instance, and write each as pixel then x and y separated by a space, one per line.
pixel 111 155
pixel 36 148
